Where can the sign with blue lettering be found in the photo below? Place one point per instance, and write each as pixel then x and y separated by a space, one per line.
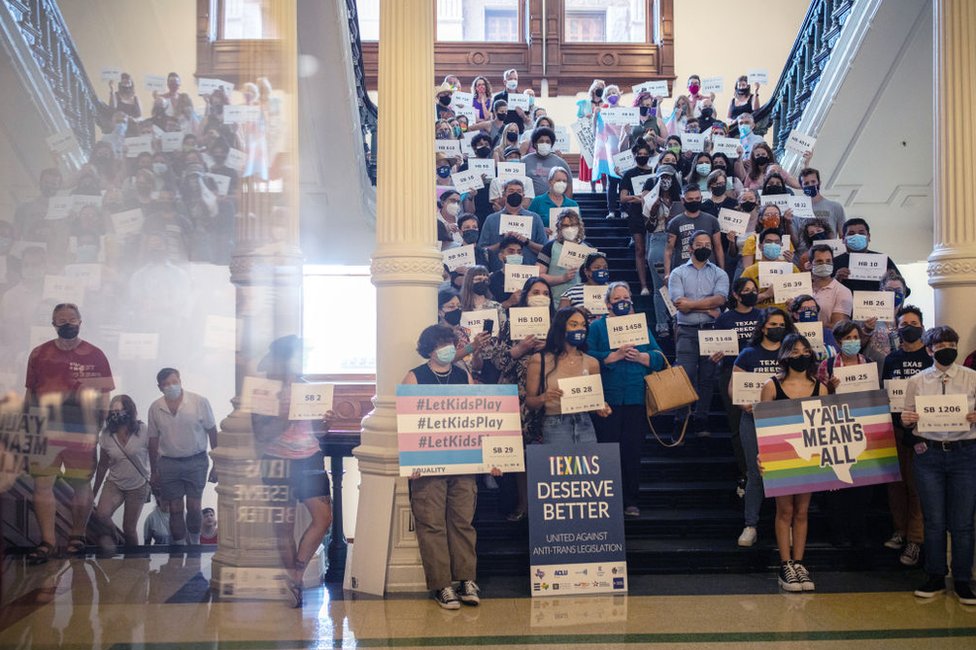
pixel 576 519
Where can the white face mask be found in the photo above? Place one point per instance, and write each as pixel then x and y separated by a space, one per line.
pixel 537 300
pixel 543 148
pixel 559 187
pixel 511 84
pixel 453 209
pixel 570 233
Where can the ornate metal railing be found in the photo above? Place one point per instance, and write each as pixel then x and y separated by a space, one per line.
pixel 41 24
pixel 367 109
pixel 814 43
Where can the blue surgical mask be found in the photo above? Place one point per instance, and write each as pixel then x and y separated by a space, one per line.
pixel 857 242
pixel 745 130
pixel 703 169
pixel 850 348
pixel 621 308
pixel 601 276
pixel 445 353
pixel 576 338
pixel 811 190
pixel 808 316
pixel 772 251
pixel 173 391
pixel 511 258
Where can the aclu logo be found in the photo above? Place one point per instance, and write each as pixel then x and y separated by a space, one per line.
pixel 561 572
pixel 618 583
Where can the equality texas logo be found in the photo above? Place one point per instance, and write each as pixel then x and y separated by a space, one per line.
pixel 831 433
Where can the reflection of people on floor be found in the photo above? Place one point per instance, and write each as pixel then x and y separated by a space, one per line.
pixel 208 531
pixel 156 528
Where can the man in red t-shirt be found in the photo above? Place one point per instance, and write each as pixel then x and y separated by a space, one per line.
pixel 68 382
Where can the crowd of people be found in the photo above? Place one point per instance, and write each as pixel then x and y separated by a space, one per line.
pixel 674 189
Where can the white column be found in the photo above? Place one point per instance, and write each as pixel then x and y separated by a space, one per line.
pixel 406 270
pixel 952 264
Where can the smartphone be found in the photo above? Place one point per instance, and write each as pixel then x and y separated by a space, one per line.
pixel 489 325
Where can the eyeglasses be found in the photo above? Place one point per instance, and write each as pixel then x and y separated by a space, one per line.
pixel 73 321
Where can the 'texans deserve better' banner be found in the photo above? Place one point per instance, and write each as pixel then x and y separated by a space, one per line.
pixel 826 443
pixel 458 429
pixel 576 520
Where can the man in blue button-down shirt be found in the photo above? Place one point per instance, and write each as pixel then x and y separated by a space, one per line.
pixel 698 289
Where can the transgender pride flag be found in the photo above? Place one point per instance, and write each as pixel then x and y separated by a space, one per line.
pixel 826 443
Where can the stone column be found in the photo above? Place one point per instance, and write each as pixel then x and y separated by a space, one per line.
pixel 952 264
pixel 406 270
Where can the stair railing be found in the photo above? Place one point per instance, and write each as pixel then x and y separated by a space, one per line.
pixel 367 109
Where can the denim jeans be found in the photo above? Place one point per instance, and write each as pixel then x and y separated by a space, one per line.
pixel 701 370
pixel 655 261
pixel 946 484
pixel 754 487
pixel 573 428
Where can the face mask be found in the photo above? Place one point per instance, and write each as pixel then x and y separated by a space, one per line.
pixel 761 161
pixel 775 334
pixel 748 206
pixel 514 200
pixel 538 300
pixel 703 169
pixel 613 99
pixel 444 172
pixel 742 91
pixel 717 189
pixel 513 259
pixel 692 206
pixel 559 187
pixel 543 148
pixel 601 276
pixel 857 242
pixel 822 270
pixel 745 130
pixel 691 128
pixel 452 317
pixel 570 233
pixel 800 363
pixel 899 298
pixel 501 117
pixel 666 183
pixel 576 338
pixel 808 316
pixel 818 236
pixel 771 221
pixel 675 149
pixel 811 190
pixel 772 251
pixel 707 113
pixel 446 353
pixel 457 131
pixel 598 93
pixel 159 168
pixel 480 288
pixel 694 88
pixel 511 84
pixel 453 208
pixel 749 299
pixel 68 331
pixel 642 160
pixel 511 136
pixel 774 189
pixel 482 152
pixel 645 111
pixel 850 348
pixel 470 236
pixel 910 333
pixel 945 356
pixel 116 419
pixel 702 254
pixel 172 391
pixel 444 100
pixel 621 307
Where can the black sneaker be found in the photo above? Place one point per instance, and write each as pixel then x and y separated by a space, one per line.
pixel 788 579
pixel 965 593
pixel 446 598
pixel 934 586
pixel 467 591
pixel 806 582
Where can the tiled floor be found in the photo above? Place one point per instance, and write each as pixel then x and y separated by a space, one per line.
pixel 163 602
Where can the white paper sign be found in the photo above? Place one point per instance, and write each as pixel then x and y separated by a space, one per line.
pixel 713 85
pixel 874 304
pixel 460 99
pixel 668 303
pixel 942 413
pixel 236 159
pixel 467 181
pixel 466 140
pixel 855 379
pixel 518 100
pixel 154 82
pixel 788 287
pixel 90 274
pixel 733 221
pixel 581 394
pixel 516 274
pixel 504 453
pixel 458 256
pixel 693 142
pixel 562 143
pixel 482 166
pixel 624 161
pixel 573 255
pixel 138 346
pixel 718 341
pixel 781 201
pixel 59 207
pixel 896 394
pixel 222 182
pixel 637 183
pixel 63 288
pixel 583 129
pixel 768 271
pixel 171 141
pixel 655 88
pixel 868 266
pixel 528 321
pixel 137 145
pixel 621 116
pixel 836 245
pixel 627 330
pixel 61 142
pixel 594 299
pixel 474 321
pixel 758 76
pixel 128 222
pixel 220 333
pixel 728 146
pixel 79 201
pixel 260 396
pixel 813 331
pixel 112 74
pixel 520 224
pixel 747 387
pixel 468 112
pixel 209 86
pixel 507 170
pixel 310 401
pixel 450 148
pixel 800 143
pixel 241 114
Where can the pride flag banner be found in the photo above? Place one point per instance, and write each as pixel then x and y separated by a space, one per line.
pixel 459 429
pixel 826 443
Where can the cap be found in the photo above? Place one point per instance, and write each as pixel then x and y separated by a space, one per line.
pixel 666 169
pixel 510 150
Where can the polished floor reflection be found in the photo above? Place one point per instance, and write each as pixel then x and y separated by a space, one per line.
pixel 164 602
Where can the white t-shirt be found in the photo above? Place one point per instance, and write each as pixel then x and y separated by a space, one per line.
pixel 183 434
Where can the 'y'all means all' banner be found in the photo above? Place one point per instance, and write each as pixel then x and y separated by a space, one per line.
pixel 444 430
pixel 826 443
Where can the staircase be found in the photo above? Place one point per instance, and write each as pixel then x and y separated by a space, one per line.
pixel 690 515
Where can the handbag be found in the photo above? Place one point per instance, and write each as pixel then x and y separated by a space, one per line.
pixel 134 464
pixel 668 390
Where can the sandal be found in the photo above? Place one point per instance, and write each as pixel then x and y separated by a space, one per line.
pixel 76 545
pixel 40 554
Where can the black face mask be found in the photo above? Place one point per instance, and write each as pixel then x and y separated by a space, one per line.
pixel 482 152
pixel 68 331
pixel 742 91
pixel 444 172
pixel 945 356
pixel 717 189
pixel 774 189
pixel 748 206
pixel 511 136
pixel 117 419
pixel 749 299
pixel 470 236
pixel 644 110
pixel 641 160
pixel 820 236
pixel 453 317
pixel 514 200
pixel 692 206
pixel 910 333
pixel 598 93
pixel 775 334
pixel 702 254
pixel 800 363
pixel 444 100
pixel 480 288
pixel 761 161
pixel 707 113
pixel 501 116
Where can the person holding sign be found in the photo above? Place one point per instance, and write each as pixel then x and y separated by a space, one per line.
pixel 588 109
pixel 540 164
pixel 622 371
pixel 605 147
pixel 678 250
pixel 762 163
pixel 745 126
pixel 770 216
pixel 761 357
pixel 292 463
pixel 795 379
pixel 509 252
pixel 881 333
pixel 632 203
pixel 719 190
pixel 594 276
pixel 804 309
pixel 836 302
pixel 770 245
pixel 491 233
pixel 569 231
pixel 744 101
pixel 734 258
pixel 903 363
pixel 940 405
pixel 857 238
pixel 125 99
pixel 823 208
pixel 476 295
pixel 657 215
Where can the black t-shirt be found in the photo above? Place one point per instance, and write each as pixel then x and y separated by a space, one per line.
pixel 712 208
pixel 758 359
pixel 630 174
pixel 902 365
pixel 743 324
pixel 496 284
pixel 843 261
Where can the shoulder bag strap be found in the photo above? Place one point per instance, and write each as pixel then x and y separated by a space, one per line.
pixel 126 454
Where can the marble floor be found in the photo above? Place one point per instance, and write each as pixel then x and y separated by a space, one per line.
pixel 163 602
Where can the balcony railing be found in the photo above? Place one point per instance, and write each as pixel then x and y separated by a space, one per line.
pixel 367 109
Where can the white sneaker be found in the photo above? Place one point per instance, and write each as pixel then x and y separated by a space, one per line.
pixel 645 292
pixel 896 541
pixel 748 536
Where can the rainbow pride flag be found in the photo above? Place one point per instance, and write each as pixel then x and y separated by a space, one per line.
pixel 826 443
